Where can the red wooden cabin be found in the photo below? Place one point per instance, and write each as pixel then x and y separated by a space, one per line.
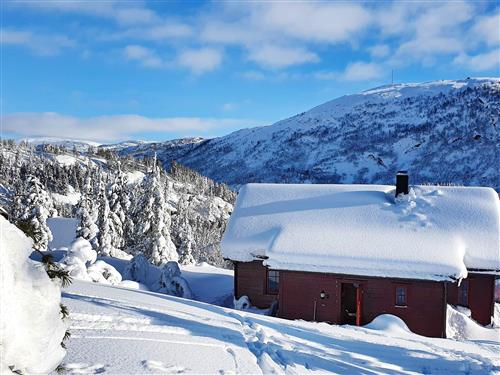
pixel 265 239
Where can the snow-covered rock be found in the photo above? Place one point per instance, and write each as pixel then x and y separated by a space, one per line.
pixel 31 326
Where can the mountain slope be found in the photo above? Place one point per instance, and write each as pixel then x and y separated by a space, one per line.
pixel 441 132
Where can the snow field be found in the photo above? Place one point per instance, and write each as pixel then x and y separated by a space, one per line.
pixel 122 331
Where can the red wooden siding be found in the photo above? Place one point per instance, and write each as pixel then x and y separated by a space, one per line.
pixel 250 280
pixel 424 313
pixel 481 296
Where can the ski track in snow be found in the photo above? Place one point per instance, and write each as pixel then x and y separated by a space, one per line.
pixel 123 331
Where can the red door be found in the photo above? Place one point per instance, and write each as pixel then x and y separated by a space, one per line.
pixel 324 303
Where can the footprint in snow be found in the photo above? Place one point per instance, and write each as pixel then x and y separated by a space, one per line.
pixel 83 368
pixel 159 366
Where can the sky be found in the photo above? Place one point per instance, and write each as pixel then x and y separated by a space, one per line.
pixel 110 71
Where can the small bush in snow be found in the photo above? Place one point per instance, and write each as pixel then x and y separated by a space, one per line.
pixel 172 283
pixel 82 249
pixel 102 272
pixel 137 269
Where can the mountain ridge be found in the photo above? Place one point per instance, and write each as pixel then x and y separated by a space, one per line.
pixel 362 138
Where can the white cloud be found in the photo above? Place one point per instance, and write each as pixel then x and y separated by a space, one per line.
pixel 379 50
pixel 433 31
pixel 313 21
pixel 356 71
pixel 200 60
pixel 114 128
pixel 277 34
pixel 39 43
pixel 145 56
pixel 279 57
pixel 362 71
pixel 487 29
pixel 480 62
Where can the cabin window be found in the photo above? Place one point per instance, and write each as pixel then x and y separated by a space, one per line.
pixel 273 282
pixel 401 296
pixel 463 293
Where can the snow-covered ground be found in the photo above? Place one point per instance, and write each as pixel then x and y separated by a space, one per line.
pixel 124 331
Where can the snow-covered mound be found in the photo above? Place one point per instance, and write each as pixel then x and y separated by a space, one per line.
pixel 122 331
pixel 432 233
pixel 389 324
pixel 362 138
pixel 460 326
pixel 31 326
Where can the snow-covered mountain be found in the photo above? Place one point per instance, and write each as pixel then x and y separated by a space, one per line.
pixel 441 132
pixel 70 144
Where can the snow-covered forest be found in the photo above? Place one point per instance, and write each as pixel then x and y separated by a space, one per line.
pixel 124 206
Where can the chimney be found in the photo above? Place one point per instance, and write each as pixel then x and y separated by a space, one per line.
pixel 401 182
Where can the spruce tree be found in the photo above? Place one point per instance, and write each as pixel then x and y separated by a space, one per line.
pixel 87 227
pixel 33 207
pixel 153 221
pixel 105 246
pixel 116 214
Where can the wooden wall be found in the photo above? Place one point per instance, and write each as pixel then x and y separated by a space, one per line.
pixel 481 296
pixel 250 280
pixel 424 314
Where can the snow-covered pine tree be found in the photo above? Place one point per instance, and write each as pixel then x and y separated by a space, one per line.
pixel 33 206
pixel 87 227
pixel 105 246
pixel 115 192
pixel 128 213
pixel 153 221
pixel 184 238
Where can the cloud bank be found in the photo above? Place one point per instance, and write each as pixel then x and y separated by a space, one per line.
pixel 116 127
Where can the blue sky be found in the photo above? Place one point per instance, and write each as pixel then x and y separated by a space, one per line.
pixel 110 70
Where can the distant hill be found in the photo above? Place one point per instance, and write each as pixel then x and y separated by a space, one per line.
pixel 440 131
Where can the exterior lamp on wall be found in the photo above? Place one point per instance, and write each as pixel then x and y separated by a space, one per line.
pixel 323 295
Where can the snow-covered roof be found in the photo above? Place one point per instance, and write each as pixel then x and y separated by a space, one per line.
pixel 434 232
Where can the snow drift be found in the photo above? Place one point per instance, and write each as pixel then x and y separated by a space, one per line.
pixel 31 325
pixel 460 326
